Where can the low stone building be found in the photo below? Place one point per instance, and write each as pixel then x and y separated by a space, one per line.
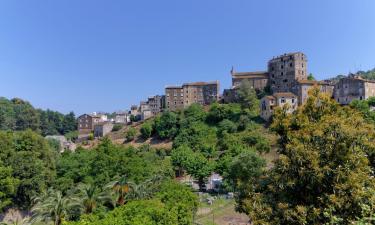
pixel 102 129
pixel 146 114
pixel 269 103
pixel 122 118
pixel 353 87
pixel 64 143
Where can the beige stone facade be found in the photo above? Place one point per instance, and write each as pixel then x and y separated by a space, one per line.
pixel 258 80
pixel 203 93
pixel 286 70
pixel 86 123
pixel 304 86
pixel 353 87
pixel 174 97
pixel 269 103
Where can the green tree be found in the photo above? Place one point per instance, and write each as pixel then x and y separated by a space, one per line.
pixel 8 186
pixel 91 196
pixel 130 134
pixel 31 160
pixel 248 98
pixel 166 125
pixel 146 130
pixel 310 77
pixel 121 188
pixel 69 123
pixel 194 163
pixel 324 171
pixel 52 207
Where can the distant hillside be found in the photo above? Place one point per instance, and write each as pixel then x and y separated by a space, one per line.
pixel 17 114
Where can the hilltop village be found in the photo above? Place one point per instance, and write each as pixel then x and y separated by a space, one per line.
pixel 285 81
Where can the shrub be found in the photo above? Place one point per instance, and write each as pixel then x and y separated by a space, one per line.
pixel 130 134
pixel 146 130
pixel 117 127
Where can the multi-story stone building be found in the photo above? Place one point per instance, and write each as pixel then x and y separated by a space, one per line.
pixel 174 98
pixel 269 103
pixel 87 122
pixel 156 103
pixel 353 87
pixel 258 80
pixel 304 86
pixel 203 93
pixel 286 70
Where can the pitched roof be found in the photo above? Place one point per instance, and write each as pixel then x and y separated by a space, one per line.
pixel 308 82
pixel 200 83
pixel 284 94
pixel 173 87
pixel 255 74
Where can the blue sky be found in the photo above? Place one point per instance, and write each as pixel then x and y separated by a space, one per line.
pixel 88 55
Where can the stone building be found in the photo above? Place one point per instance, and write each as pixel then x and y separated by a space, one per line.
pixel 353 87
pixel 102 129
pixel 304 87
pixel 134 111
pixel 286 70
pixel 203 93
pixel 122 117
pixel 86 124
pixel 258 80
pixel 269 103
pixel 157 104
pixel 174 98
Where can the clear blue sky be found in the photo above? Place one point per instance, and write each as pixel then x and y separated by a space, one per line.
pixel 87 55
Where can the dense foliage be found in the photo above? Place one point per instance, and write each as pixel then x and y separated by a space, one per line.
pixel 28 166
pixel 17 115
pixel 324 174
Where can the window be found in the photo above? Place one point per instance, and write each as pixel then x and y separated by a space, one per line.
pixel 282 73
pixel 282 100
pixel 292 100
pixel 302 65
pixel 282 67
pixel 291 64
pixel 285 80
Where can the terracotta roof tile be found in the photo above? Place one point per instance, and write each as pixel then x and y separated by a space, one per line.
pixel 284 94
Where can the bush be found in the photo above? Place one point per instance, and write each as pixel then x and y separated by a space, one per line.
pixel 91 136
pixel 146 130
pixel 130 134
pixel 228 126
pixel 117 127
pixel 166 125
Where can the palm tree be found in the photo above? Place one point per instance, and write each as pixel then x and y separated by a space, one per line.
pixel 121 189
pixel 91 196
pixel 52 207
pixel 145 189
